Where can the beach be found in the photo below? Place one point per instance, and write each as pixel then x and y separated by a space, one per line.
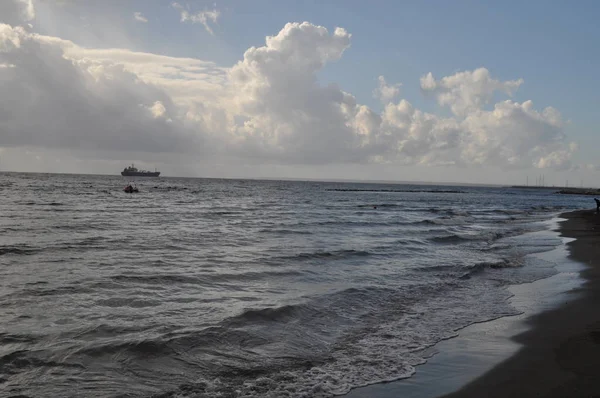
pixel 561 352
pixel 551 350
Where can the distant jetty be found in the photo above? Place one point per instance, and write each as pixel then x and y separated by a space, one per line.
pixel 563 190
pixel 552 188
pixel 579 191
pixel 396 190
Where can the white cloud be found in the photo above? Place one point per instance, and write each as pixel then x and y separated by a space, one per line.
pixel 286 113
pixel 185 79
pixel 49 100
pixel 16 12
pixel 29 11
pixel 467 91
pixel 269 107
pixel 591 167
pixel 385 92
pixel 289 116
pixel 139 17
pixel 516 135
pixel 10 38
pixel 203 17
pixel 159 111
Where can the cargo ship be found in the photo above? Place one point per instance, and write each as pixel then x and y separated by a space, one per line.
pixel 132 171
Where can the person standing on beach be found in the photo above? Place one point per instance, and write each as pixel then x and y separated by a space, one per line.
pixel 597 205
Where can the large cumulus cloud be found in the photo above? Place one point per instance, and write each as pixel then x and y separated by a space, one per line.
pixel 270 106
pixel 50 100
pixel 286 113
pixel 466 92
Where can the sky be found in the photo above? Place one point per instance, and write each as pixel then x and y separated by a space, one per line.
pixel 436 91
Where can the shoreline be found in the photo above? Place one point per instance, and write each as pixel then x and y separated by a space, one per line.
pixel 560 356
pixel 552 349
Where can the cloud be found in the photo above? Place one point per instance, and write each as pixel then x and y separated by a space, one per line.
pixel 516 135
pixel 139 17
pixel 16 12
pixel 467 91
pixel 386 93
pixel 186 80
pixel 286 114
pixel 591 167
pixel 267 108
pixel 51 101
pixel 203 17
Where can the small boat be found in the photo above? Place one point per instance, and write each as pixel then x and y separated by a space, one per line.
pixel 130 189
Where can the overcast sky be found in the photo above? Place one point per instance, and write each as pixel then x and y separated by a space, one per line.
pixel 386 90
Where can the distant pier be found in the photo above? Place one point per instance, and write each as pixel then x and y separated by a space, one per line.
pixel 563 190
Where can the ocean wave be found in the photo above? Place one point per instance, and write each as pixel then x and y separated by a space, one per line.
pixel 16 361
pixel 9 229
pixel 346 223
pixel 252 275
pixel 322 254
pixel 55 291
pixel 508 211
pixel 8 338
pixel 545 208
pixel 310 362
pixel 382 205
pixel 448 239
pixel 435 268
pixel 456 269
pixel 447 220
pixel 235 355
pixel 145 348
pixel 32 203
pixel 497 264
pixel 284 313
pixel 87 226
pixel 444 211
pixel 496 247
pixel 481 235
pixel 213 339
pixel 87 243
pixel 225 213
pixel 284 231
pixel 157 279
pixel 169 188
pixel 127 301
pixel 21 250
pixel 205 279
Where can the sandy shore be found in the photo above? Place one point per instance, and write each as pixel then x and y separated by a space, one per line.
pixel 551 350
pixel 561 352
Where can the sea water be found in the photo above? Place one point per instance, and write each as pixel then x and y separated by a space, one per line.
pixel 244 288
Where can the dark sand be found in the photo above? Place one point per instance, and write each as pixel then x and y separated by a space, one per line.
pixel 560 356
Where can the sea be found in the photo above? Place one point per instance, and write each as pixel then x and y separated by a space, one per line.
pixel 249 288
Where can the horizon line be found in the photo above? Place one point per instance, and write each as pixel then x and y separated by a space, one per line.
pixel 297 179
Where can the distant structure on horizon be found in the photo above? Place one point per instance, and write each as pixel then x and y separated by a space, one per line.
pixel 132 171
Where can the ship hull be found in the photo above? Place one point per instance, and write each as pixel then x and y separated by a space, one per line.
pixel 134 174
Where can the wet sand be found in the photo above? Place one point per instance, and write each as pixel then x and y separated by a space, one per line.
pixel 561 352
pixel 551 350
